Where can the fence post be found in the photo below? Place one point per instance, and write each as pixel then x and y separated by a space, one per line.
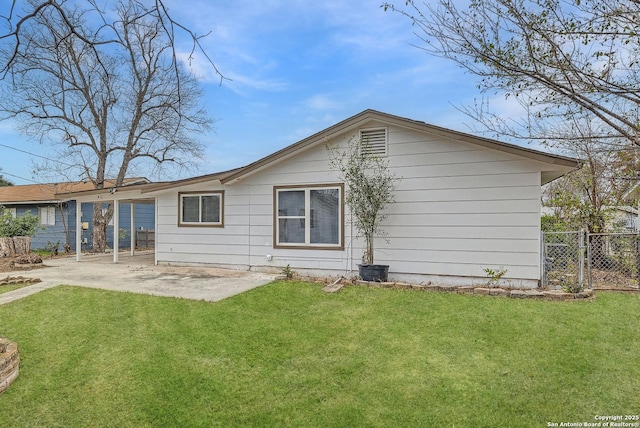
pixel 637 251
pixel 581 258
pixel 543 260
pixel 589 260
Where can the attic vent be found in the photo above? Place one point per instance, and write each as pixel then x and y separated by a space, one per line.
pixel 374 141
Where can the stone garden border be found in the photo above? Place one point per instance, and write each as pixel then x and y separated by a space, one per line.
pixel 515 293
pixel 9 363
pixel 9 280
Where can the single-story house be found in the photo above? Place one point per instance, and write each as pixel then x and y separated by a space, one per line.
pixel 58 215
pixel 464 204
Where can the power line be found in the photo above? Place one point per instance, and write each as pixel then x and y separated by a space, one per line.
pixel 17 176
pixel 36 155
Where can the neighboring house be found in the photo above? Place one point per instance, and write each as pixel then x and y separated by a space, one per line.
pixel 622 219
pixel 465 203
pixel 58 216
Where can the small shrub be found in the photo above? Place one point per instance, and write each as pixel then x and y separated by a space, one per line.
pixel 494 275
pixel 287 272
pixel 122 233
pixel 52 247
pixel 572 286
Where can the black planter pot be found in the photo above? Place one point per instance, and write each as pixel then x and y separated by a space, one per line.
pixel 374 273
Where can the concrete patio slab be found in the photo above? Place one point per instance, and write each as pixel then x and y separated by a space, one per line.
pixel 138 274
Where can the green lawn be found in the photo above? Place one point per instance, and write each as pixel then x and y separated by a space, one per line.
pixel 289 355
pixel 11 287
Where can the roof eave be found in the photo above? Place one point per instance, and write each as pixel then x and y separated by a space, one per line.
pixel 35 202
pixel 352 122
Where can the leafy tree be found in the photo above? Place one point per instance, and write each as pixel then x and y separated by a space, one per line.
pixel 582 199
pixel 559 58
pixel 553 223
pixel 370 187
pixel 4 182
pixel 24 225
pixel 105 84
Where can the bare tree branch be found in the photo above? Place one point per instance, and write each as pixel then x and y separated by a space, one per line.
pixel 109 93
pixel 562 57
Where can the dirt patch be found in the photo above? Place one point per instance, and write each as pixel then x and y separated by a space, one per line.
pixel 612 280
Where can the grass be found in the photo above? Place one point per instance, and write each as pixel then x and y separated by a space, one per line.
pixel 43 252
pixel 289 355
pixel 10 287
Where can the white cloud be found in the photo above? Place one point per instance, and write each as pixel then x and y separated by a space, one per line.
pixel 322 102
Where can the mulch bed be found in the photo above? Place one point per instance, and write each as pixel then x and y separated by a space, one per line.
pixel 30 262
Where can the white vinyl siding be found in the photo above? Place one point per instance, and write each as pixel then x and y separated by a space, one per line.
pixel 47 216
pixel 459 208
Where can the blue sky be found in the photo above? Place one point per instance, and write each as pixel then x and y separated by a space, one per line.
pixel 295 68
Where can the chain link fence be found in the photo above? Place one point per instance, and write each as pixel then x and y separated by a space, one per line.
pixel 573 260
pixel 614 260
pixel 563 258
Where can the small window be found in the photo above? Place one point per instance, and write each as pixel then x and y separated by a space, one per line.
pixel 201 209
pixel 47 216
pixel 308 217
pixel 374 141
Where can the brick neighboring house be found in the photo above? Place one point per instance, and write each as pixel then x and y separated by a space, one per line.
pixel 58 216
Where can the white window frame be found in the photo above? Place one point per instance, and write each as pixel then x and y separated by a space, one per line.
pixel 308 217
pixel 47 215
pixel 217 193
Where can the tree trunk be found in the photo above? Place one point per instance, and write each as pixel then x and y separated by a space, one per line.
pixel 368 254
pixel 22 244
pixel 99 232
pixel 15 246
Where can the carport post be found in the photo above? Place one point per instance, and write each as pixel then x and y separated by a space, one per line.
pixel 78 230
pixel 116 229
pixel 133 229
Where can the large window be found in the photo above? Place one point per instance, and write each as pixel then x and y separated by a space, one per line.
pixel 47 216
pixel 201 209
pixel 308 216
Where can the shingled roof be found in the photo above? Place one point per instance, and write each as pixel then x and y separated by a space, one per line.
pixel 46 193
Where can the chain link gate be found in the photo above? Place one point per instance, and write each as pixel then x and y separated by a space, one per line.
pixel 563 260
pixel 614 260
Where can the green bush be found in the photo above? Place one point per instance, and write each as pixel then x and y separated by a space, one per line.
pixel 24 225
